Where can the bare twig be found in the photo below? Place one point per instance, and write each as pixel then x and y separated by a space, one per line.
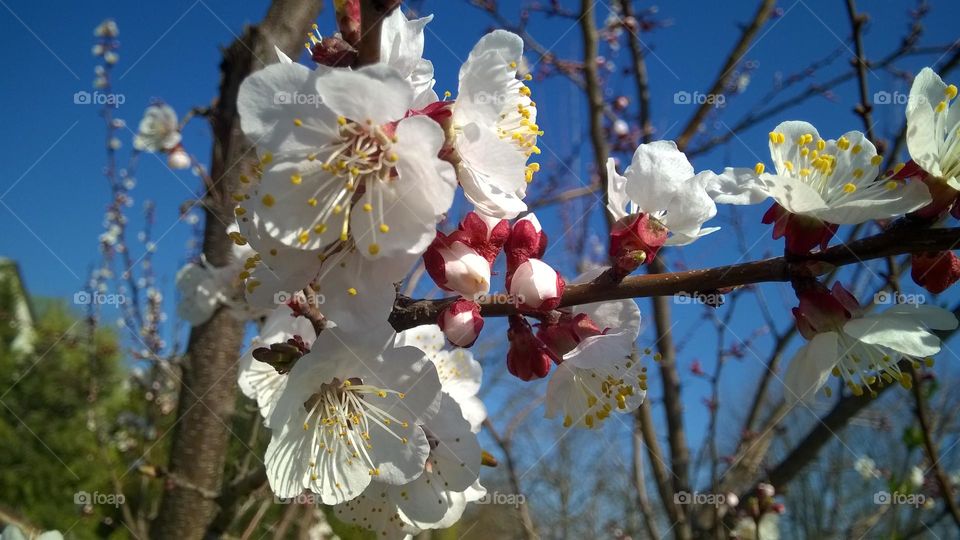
pixel 933 455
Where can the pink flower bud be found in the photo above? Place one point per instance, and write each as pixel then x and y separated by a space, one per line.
pixel 934 271
pixel 821 310
pixel 178 159
pixel 457 267
pixel 461 322
pixel 527 240
pixel 634 240
pixel 528 358
pixel 802 233
pixel 535 285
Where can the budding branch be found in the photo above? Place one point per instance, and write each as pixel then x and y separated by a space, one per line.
pixel 409 313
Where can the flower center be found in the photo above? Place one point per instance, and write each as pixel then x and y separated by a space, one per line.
pixel 518 121
pixel 341 414
pixel 602 389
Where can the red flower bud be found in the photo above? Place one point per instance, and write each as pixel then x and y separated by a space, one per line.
pixel 461 322
pixel 634 240
pixel 528 358
pixel 823 310
pixel 457 267
pixel 803 233
pixel 935 272
pixel 527 240
pixel 564 335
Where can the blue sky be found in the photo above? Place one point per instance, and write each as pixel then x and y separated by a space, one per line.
pixel 52 193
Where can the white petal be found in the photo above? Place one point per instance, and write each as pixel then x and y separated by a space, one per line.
pixel 377 93
pixel 901 334
pixel 810 368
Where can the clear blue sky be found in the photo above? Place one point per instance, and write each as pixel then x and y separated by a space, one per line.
pixel 53 194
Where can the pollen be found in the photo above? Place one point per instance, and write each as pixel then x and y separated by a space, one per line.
pixel 297 122
pixel 849 188
pixel 891 185
pixel 384 228
pixel 352 291
pixel 373 249
pixel 312 201
pixel 342 120
pixel 513 65
pixel 942 106
pixel 843 143
pixel 266 158
pixel 950 91
pixel 367 207
pixel 447 94
pixel 320 229
pixel 876 160
pixel 296 179
pixel 856 149
pixel 776 138
pixel 304 237
pixel 759 168
pixel 857 173
pixel 268 200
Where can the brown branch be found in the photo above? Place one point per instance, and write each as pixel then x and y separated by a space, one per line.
pixel 639 478
pixel 598 138
pixel 644 423
pixel 208 391
pixel 529 529
pixel 860 64
pixel 923 418
pixel 720 83
pixel 409 313
pixel 639 71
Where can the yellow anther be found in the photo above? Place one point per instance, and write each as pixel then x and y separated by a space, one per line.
pixel 524 91
pixel 849 188
pixel 297 122
pixel 804 172
pixel 341 120
pixel 239 211
pixel 351 291
pixel 567 421
pixel 789 165
pixel 384 228
pixel 320 229
pixel 942 106
pixel 528 77
pixel 337 209
pixel 367 207
pixel 856 149
pixel 296 179
pixel 891 185
pixel 843 143
pixel 821 144
pixel 268 200
pixel 245 179
pixel 304 237
pixel 857 173
pixel 759 168
pixel 513 65
pixel 373 249
pixel 950 91
pixel 266 158
pixel 447 94
pixel 898 167
pixel 312 201
pixel 775 137
pixel 588 421
pixel 535 167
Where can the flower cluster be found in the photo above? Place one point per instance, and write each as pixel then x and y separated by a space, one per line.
pixel 359 167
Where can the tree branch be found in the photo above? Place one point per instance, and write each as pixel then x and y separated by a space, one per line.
pixel 409 313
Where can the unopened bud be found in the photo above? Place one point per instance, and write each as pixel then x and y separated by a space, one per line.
pixel 461 322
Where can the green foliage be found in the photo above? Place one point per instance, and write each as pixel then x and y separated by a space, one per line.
pixel 55 408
